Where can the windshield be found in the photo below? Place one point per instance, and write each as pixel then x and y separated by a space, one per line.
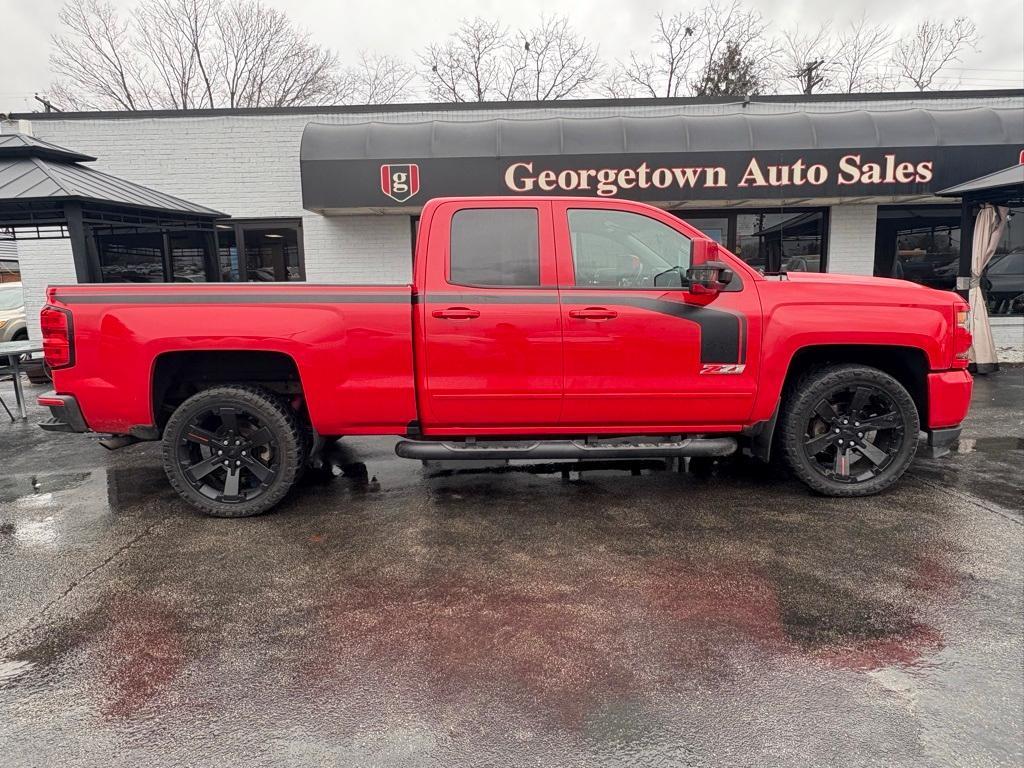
pixel 10 297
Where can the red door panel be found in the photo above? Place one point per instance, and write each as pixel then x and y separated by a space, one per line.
pixel 491 355
pixel 652 358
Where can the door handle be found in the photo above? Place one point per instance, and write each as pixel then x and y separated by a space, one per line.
pixel 456 313
pixel 593 313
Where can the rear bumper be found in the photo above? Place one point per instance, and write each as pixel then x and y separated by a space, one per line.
pixel 949 398
pixel 65 415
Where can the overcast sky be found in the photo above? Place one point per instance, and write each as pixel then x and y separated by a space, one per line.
pixel 402 28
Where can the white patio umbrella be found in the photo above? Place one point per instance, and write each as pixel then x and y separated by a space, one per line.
pixel 988 231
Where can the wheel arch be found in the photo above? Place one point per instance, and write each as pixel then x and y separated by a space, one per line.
pixel 908 365
pixel 179 374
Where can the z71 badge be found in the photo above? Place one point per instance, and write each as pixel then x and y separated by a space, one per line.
pixel 723 368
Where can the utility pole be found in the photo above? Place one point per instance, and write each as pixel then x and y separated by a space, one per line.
pixel 47 105
pixel 809 77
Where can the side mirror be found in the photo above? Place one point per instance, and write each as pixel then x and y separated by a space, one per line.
pixel 709 277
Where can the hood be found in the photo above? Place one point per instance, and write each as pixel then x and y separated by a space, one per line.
pixel 832 278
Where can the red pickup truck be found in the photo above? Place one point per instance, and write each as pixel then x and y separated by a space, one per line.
pixel 535 328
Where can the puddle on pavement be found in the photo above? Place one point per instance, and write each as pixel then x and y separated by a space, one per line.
pixel 11 670
pixel 989 445
pixel 15 487
pixel 123 486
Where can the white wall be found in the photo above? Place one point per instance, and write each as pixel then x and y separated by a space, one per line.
pixel 43 263
pixel 851 239
pixel 357 249
pixel 1008 335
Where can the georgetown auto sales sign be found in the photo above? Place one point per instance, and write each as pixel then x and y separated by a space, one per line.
pixel 656 177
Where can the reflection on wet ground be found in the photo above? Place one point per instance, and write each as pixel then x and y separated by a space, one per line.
pixel 398 614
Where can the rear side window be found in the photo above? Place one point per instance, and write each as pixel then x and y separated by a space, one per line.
pixel 495 246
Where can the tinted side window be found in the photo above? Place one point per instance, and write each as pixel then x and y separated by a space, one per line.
pixel 617 249
pixel 495 247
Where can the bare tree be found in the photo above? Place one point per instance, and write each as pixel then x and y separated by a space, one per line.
pixel 96 65
pixel 932 46
pixel 690 51
pixel 183 54
pixel 807 58
pixel 376 79
pixel 859 64
pixel 483 61
pixel 176 37
pixel 559 63
pixel 475 63
pixel 665 72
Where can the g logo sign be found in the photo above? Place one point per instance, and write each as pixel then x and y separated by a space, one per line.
pixel 400 182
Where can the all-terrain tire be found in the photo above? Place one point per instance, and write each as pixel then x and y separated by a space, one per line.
pixel 798 410
pixel 271 412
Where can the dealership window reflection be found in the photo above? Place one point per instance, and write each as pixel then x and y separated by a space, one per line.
pixel 770 240
pixel 1003 280
pixel 235 250
pixel 919 243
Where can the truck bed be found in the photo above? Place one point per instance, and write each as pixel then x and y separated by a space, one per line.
pixel 351 343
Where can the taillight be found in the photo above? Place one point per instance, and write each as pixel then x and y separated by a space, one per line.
pixel 962 338
pixel 58 338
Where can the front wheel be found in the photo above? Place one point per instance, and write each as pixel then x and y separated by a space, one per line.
pixel 233 451
pixel 849 430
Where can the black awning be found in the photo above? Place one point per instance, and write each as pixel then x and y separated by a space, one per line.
pixel 1007 184
pixel 675 157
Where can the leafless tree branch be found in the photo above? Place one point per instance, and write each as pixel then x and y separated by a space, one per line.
pixel 933 45
pixel 184 54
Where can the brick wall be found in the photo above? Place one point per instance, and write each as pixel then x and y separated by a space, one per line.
pixel 851 239
pixel 43 263
pixel 357 249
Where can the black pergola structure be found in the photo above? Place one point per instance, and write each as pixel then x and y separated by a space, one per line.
pixel 1002 188
pixel 46 193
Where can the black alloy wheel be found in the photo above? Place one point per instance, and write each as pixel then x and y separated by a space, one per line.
pixel 850 430
pixel 232 451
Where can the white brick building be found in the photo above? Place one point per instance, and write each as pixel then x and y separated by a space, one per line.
pixel 246 163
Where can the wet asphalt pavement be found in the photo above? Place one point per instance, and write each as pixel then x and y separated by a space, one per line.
pixel 403 615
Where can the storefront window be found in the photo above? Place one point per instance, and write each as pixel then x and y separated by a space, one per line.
pixel 269 250
pixel 771 240
pixel 131 258
pixel 715 227
pixel 1003 280
pixel 920 244
pixel 188 257
pixel 227 254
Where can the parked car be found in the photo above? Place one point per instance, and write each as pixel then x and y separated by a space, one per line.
pixel 539 328
pixel 12 313
pixel 1003 283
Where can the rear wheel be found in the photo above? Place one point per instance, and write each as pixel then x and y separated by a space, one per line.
pixel 233 451
pixel 849 430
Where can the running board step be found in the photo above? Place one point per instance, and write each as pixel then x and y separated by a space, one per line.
pixel 565 449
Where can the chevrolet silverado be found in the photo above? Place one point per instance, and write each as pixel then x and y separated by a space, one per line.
pixel 539 328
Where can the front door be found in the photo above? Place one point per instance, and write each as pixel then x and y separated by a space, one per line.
pixel 493 336
pixel 642 352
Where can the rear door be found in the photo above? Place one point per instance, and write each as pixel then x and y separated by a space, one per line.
pixel 491 346
pixel 641 351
